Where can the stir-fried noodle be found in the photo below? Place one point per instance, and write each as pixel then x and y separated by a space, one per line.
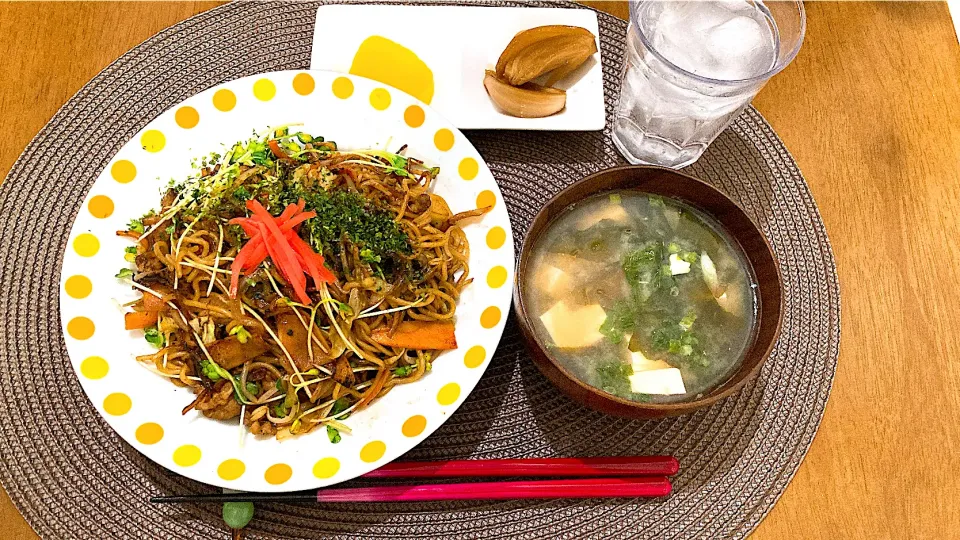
pixel 291 358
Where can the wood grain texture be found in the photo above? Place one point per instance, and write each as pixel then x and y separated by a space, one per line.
pixel 870 109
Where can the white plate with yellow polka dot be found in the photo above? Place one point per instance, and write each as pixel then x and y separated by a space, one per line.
pixel 145 409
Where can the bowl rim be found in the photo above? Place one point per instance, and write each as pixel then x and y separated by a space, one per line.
pixel 657 409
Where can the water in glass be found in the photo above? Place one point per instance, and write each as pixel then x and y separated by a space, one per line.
pixel 690 68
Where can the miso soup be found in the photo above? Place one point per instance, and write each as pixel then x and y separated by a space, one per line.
pixel 643 297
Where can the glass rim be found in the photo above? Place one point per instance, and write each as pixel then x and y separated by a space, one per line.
pixel 777 68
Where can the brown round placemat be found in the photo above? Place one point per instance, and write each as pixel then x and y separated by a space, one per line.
pixel 72 477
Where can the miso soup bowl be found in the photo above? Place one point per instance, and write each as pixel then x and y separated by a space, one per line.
pixel 739 226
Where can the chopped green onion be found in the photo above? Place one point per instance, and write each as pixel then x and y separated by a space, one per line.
pixel 689 256
pixel 130 253
pixel 403 371
pixel 125 273
pixel 615 198
pixel 253 388
pixel 673 247
pixel 135 225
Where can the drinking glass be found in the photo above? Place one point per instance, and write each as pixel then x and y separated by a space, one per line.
pixel 692 66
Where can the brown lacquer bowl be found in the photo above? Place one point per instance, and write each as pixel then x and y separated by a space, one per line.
pixel 672 184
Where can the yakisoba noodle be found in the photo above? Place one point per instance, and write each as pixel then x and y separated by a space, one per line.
pixel 288 362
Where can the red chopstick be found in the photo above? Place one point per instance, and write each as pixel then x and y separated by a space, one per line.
pixel 474 468
pixel 652 486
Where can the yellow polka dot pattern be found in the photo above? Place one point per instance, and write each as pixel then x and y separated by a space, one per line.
pixel 414 425
pixel 187 455
pixel 78 286
pixel 486 198
pixel 304 84
pixel 448 394
pixel 187 117
pixel 468 168
pixel 153 141
pixel 342 87
pixel 278 474
pixel 80 328
pixel 372 451
pixel 149 433
pixel 326 467
pixel 496 277
pixel 94 368
pixel 224 100
pixel 100 206
pixel 474 357
pixel 496 236
pixel 123 171
pixel 414 116
pixel 86 245
pixel 264 89
pixel 490 317
pixel 443 139
pixel 380 99
pixel 231 469
pixel 117 404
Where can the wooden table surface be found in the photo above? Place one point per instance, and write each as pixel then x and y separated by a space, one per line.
pixel 870 109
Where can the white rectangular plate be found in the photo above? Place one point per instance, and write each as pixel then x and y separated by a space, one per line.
pixel 456 44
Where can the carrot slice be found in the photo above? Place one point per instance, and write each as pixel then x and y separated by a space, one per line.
pixel 137 320
pixel 152 302
pixel 421 335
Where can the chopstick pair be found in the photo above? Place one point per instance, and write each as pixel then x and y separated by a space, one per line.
pixel 641 476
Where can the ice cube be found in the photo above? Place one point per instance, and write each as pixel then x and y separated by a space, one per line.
pixel 740 47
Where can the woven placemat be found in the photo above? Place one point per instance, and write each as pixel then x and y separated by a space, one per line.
pixel 72 477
